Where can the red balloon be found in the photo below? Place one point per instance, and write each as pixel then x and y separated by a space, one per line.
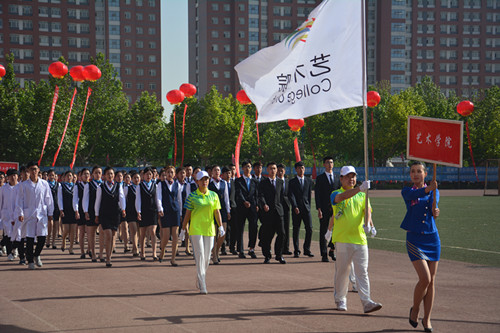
pixel 242 97
pixel 91 73
pixel 372 98
pixel 77 73
pixel 58 69
pixel 465 108
pixel 188 89
pixel 175 96
pixel 295 124
pixel 2 72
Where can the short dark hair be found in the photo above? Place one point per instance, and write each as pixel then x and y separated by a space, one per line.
pixel 299 164
pixel 245 163
pixel 225 169
pixel 147 169
pixel 231 165
pixel 187 165
pixel 22 169
pixel 108 169
pixel 51 171
pixel 271 163
pixel 31 163
pixel 95 168
pixel 281 165
pixel 83 170
pixel 256 164
pixel 179 169
pixel 326 158
pixel 412 163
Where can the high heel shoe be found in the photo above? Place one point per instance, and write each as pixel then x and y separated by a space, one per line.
pixel 426 329
pixel 173 263
pixel 412 323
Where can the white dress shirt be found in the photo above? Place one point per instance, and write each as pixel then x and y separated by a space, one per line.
pixel 138 201
pixel 98 196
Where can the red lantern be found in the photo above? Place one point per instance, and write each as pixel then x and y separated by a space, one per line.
pixel 372 98
pixel 58 69
pixel 295 124
pixel 77 73
pixel 175 97
pixel 465 108
pixel 91 73
pixel 2 72
pixel 242 97
pixel 188 89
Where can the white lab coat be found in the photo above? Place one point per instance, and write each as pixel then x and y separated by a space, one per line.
pixel 35 203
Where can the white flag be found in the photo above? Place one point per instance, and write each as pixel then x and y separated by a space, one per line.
pixel 316 69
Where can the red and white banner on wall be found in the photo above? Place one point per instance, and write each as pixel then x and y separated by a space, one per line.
pixel 434 140
pixel 49 124
pixel 4 166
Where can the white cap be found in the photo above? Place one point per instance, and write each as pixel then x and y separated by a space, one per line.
pixel 201 174
pixel 347 170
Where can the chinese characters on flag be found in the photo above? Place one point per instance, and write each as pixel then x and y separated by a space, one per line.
pixel 435 140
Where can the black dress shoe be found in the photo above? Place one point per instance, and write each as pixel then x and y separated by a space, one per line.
pixel 108 264
pixel 412 323
pixel 325 259
pixel 309 254
pixel 281 260
pixel 223 252
pixel 267 260
pixel 332 255
pixel 102 260
pixel 296 254
pixel 234 252
pixel 287 252
pixel 241 255
pixel 252 254
pixel 426 329
pixel 82 256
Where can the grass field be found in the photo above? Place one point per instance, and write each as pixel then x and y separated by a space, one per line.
pixel 469 228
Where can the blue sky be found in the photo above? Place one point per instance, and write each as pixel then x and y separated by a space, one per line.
pixel 174 48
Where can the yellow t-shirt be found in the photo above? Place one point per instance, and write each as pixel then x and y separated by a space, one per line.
pixel 202 207
pixel 348 227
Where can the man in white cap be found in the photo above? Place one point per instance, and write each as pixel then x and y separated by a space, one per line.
pixel 350 239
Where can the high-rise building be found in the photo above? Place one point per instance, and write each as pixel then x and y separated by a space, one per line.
pixel 127 32
pixel 455 42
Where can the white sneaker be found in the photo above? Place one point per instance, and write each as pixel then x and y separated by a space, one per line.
pixel 16 253
pixel 372 307
pixel 38 261
pixel 31 266
pixel 4 250
pixel 341 306
pixel 10 257
pixel 354 288
pixel 1 253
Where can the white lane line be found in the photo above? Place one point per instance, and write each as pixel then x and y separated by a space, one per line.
pixel 446 246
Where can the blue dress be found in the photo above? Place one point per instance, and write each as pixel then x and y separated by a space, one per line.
pixel 422 237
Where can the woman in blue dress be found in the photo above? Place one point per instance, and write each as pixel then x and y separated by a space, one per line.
pixel 422 240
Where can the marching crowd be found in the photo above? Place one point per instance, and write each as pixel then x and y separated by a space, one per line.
pixel 208 210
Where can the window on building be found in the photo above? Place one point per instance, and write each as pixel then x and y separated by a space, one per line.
pixel 127 15
pixel 140 58
pixel 152 45
pixel 152 58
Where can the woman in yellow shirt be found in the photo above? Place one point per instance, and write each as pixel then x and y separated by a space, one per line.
pixel 201 208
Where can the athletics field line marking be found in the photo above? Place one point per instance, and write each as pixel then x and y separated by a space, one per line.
pixel 446 246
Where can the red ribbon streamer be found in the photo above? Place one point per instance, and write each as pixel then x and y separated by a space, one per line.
pixel 296 148
pixel 49 125
pixel 89 91
pixel 373 151
pixel 470 149
pixel 65 127
pixel 175 143
pixel 238 146
pixel 183 125
pixel 258 136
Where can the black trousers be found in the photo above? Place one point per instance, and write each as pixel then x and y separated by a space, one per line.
pixel 251 215
pixel 19 245
pixel 296 220
pixel 323 228
pixel 272 225
pixel 30 245
pixel 7 243
pixel 286 226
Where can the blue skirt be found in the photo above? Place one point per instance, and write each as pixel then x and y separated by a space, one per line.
pixel 423 246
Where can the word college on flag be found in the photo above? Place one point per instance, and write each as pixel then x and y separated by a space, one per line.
pixel 316 69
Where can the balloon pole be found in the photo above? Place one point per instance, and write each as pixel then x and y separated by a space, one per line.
pixel 365 125
pixel 434 194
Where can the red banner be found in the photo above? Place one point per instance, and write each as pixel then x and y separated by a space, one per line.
pixel 65 128
pixel 49 125
pixel 296 148
pixel 4 166
pixel 435 140
pixel 89 91
pixel 175 143
pixel 183 125
pixel 238 146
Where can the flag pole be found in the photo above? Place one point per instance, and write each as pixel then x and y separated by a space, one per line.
pixel 365 122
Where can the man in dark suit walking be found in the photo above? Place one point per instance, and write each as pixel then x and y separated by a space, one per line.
pixel 285 203
pixel 270 198
pixel 246 208
pixel 325 185
pixel 299 194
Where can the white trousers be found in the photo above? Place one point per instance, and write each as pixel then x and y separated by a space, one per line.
pixel 202 248
pixel 358 255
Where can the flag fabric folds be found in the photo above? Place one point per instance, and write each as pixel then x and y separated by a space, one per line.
pixel 318 68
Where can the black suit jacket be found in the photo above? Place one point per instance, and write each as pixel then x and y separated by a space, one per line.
pixel 232 196
pixel 268 195
pixel 285 201
pixel 242 193
pixel 300 197
pixel 322 191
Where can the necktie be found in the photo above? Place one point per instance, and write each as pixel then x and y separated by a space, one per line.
pixel 273 182
pixel 330 178
pixel 301 182
pixel 248 183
